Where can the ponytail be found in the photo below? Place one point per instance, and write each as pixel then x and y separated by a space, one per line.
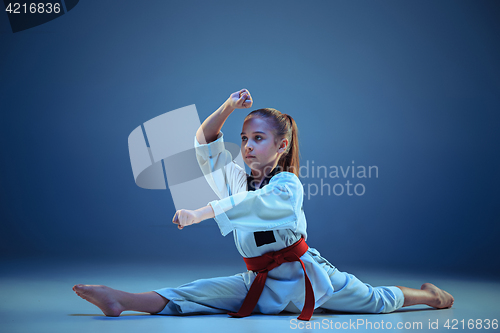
pixel 289 161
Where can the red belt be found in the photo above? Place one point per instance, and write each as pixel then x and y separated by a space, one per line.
pixel 268 261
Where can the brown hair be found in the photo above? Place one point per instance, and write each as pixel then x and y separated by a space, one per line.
pixel 283 126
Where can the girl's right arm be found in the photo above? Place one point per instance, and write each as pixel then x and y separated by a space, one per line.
pixel 211 127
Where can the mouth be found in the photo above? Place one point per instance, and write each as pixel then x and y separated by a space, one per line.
pixel 249 156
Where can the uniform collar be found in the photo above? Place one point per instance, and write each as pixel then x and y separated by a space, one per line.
pixel 264 182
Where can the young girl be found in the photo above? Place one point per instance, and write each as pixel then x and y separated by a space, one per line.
pixel 265 214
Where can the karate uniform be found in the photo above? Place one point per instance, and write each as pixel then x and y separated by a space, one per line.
pixel 262 220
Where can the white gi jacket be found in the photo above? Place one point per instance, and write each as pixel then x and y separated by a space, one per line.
pixel 267 219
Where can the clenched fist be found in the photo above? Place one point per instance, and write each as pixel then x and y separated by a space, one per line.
pixel 240 99
pixel 185 217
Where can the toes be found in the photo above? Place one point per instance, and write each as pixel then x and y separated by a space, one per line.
pixel 81 290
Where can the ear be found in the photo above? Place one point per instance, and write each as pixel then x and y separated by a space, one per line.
pixel 283 145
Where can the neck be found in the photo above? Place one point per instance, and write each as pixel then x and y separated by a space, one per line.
pixel 259 174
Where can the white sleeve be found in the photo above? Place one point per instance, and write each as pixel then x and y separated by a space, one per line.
pixel 277 205
pixel 224 176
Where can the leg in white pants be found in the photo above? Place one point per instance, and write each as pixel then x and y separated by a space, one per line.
pixel 352 295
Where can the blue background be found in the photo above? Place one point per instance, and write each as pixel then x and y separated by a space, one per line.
pixel 412 87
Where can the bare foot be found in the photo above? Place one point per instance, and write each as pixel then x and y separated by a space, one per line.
pixel 441 299
pixel 103 297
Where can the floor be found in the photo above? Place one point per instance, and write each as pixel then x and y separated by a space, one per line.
pixel 36 296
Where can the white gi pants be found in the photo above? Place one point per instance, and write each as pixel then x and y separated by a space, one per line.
pixel 226 294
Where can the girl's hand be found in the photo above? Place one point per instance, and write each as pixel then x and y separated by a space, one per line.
pixel 240 99
pixel 185 217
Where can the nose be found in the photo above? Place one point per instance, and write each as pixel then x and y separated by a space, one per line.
pixel 248 146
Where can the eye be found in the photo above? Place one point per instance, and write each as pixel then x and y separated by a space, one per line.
pixel 243 138
pixel 258 137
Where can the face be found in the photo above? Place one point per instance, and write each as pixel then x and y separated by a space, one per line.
pixel 258 147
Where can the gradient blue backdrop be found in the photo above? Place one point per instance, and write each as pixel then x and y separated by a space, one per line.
pixel 412 87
